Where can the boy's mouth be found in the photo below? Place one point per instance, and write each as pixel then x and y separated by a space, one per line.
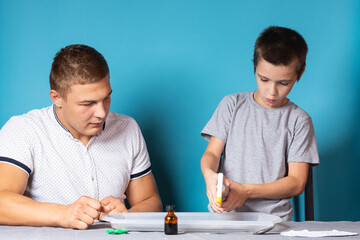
pixel 270 100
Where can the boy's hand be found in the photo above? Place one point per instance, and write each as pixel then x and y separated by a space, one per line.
pixel 115 205
pixel 81 214
pixel 237 196
pixel 211 182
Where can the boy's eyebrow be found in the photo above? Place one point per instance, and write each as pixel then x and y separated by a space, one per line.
pixel 262 76
pixel 91 101
pixel 282 80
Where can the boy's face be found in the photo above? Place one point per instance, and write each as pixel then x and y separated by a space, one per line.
pixel 274 83
pixel 85 109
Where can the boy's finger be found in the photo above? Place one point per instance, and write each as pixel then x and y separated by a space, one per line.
pixel 227 182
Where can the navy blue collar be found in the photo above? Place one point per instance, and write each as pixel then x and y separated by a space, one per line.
pixel 58 119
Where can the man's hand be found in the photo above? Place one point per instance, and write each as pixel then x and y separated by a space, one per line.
pixel 82 213
pixel 237 196
pixel 115 205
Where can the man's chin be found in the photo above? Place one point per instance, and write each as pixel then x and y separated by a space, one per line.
pixel 93 131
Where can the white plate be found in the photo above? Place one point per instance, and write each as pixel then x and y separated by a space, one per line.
pixel 194 221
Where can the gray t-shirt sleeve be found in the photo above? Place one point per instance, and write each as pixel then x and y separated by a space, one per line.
pixel 219 124
pixel 303 147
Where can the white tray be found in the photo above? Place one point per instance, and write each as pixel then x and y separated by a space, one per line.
pixel 194 221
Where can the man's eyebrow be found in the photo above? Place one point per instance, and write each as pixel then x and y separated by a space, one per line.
pixel 92 101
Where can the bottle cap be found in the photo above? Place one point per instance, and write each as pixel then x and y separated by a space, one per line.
pixel 170 208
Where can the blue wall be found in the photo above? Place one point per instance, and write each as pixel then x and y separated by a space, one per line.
pixel 171 62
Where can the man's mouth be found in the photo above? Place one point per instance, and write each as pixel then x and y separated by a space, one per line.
pixel 96 124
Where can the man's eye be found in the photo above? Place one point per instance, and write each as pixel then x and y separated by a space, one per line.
pixel 86 104
pixel 263 79
pixel 284 83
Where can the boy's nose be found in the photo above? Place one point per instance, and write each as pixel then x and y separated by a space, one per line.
pixel 273 90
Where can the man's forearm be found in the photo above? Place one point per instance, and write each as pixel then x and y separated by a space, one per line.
pixel 151 204
pixel 16 209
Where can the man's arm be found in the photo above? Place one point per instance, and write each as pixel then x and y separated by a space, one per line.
pixel 143 196
pixel 290 186
pixel 16 209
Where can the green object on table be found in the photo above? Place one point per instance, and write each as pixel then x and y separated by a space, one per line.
pixel 116 231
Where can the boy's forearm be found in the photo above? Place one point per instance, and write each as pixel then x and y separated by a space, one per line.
pixel 209 163
pixel 286 187
pixel 16 209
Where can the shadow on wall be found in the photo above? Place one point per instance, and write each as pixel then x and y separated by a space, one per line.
pixel 152 125
pixel 338 176
pixel 159 155
pixel 162 113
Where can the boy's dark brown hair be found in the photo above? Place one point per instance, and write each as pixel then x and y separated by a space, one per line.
pixel 281 46
pixel 76 64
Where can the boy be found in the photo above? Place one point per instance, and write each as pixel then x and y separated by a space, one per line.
pixel 68 164
pixel 267 141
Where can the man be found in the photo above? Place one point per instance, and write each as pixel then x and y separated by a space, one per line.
pixel 68 164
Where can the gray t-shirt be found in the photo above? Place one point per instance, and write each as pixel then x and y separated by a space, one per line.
pixel 259 142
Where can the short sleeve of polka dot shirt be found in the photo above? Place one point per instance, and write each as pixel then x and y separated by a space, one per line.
pixel 61 168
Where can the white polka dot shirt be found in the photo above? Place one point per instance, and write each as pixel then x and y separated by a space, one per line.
pixel 61 168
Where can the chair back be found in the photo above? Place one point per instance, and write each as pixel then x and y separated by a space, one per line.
pixel 309 196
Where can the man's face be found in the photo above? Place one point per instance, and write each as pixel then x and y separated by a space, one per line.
pixel 274 83
pixel 85 109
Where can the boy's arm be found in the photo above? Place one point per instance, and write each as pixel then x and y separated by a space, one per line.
pixel 209 165
pixel 290 186
pixel 143 196
pixel 16 209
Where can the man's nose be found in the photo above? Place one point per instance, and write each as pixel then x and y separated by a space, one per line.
pixel 100 110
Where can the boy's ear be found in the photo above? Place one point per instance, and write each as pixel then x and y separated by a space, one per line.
pixel 55 98
pixel 302 72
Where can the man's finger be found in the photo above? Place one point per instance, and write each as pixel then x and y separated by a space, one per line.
pixel 93 203
pixel 105 209
pixel 107 200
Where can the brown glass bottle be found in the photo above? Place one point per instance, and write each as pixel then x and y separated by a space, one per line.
pixel 171 221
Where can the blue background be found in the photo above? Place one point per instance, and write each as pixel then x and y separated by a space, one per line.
pixel 171 63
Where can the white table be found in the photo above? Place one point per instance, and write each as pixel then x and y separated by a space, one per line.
pixel 98 231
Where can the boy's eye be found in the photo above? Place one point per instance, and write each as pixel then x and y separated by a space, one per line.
pixel 264 80
pixel 284 83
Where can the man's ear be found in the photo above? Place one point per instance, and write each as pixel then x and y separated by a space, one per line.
pixel 55 98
